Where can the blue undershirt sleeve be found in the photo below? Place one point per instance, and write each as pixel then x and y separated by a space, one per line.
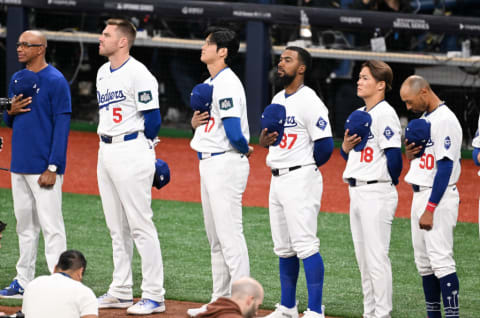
pixel 344 154
pixel 394 163
pixel 440 182
pixel 322 150
pixel 153 121
pixel 475 156
pixel 58 152
pixel 234 133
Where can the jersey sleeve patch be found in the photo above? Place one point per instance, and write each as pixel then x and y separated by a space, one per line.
pixel 322 123
pixel 447 143
pixel 145 97
pixel 388 133
pixel 225 103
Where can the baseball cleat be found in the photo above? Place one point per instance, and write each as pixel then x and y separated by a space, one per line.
pixel 109 301
pixel 314 314
pixel 284 312
pixel 14 291
pixel 192 312
pixel 146 307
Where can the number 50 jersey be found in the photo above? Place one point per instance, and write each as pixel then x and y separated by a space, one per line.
pixel 307 121
pixel 445 142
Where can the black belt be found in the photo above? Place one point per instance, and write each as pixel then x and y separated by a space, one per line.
pixel 109 139
pixel 415 188
pixel 276 172
pixel 353 182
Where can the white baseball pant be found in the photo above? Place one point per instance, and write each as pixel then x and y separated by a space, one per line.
pixel 223 179
pixel 37 208
pixel 125 173
pixel 294 203
pixel 372 209
pixel 433 250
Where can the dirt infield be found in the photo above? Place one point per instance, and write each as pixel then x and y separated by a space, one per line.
pixel 175 309
pixel 80 176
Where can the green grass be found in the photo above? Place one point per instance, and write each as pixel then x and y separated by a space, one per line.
pixel 187 259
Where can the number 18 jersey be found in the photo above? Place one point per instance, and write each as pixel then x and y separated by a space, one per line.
pixel 370 164
pixel 307 121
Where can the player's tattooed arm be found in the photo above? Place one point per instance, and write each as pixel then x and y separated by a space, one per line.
pixel 411 150
pixel 199 119
pixel 266 139
pixel 349 141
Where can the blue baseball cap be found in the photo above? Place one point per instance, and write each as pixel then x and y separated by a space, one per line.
pixel 273 118
pixel 162 174
pixel 201 97
pixel 359 122
pixel 418 131
pixel 25 82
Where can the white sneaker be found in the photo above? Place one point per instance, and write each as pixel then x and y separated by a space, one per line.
pixel 192 312
pixel 284 312
pixel 109 301
pixel 314 314
pixel 146 307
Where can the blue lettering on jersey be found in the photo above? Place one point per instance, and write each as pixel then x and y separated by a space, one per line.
pixel 447 143
pixel 429 143
pixel 110 97
pixel 145 97
pixel 225 103
pixel 322 123
pixel 388 133
pixel 290 122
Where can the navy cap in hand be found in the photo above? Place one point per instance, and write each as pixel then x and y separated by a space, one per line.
pixel 418 131
pixel 359 122
pixel 273 118
pixel 25 82
pixel 201 98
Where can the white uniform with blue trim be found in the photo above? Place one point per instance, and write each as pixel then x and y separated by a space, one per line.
pixel 125 170
pixel 295 194
pixel 433 249
pixel 372 208
pixel 223 178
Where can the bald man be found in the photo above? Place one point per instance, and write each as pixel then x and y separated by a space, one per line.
pixel 40 119
pixel 433 176
pixel 247 296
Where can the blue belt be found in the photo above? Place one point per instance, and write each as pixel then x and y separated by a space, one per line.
pixel 205 155
pixel 109 139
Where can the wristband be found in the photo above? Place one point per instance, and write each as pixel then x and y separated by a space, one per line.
pixel 431 207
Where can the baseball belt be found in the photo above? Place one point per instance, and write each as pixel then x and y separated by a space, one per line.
pixel 355 183
pixel 121 138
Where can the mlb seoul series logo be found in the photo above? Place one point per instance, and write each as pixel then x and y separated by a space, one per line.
pixel 145 97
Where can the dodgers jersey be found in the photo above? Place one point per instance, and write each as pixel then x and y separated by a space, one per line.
pixel 385 132
pixel 307 121
pixel 122 94
pixel 228 100
pixel 445 142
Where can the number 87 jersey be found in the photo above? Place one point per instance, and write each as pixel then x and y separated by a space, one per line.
pixel 307 121
pixel 370 164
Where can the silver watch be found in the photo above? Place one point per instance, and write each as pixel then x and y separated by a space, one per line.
pixel 52 168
